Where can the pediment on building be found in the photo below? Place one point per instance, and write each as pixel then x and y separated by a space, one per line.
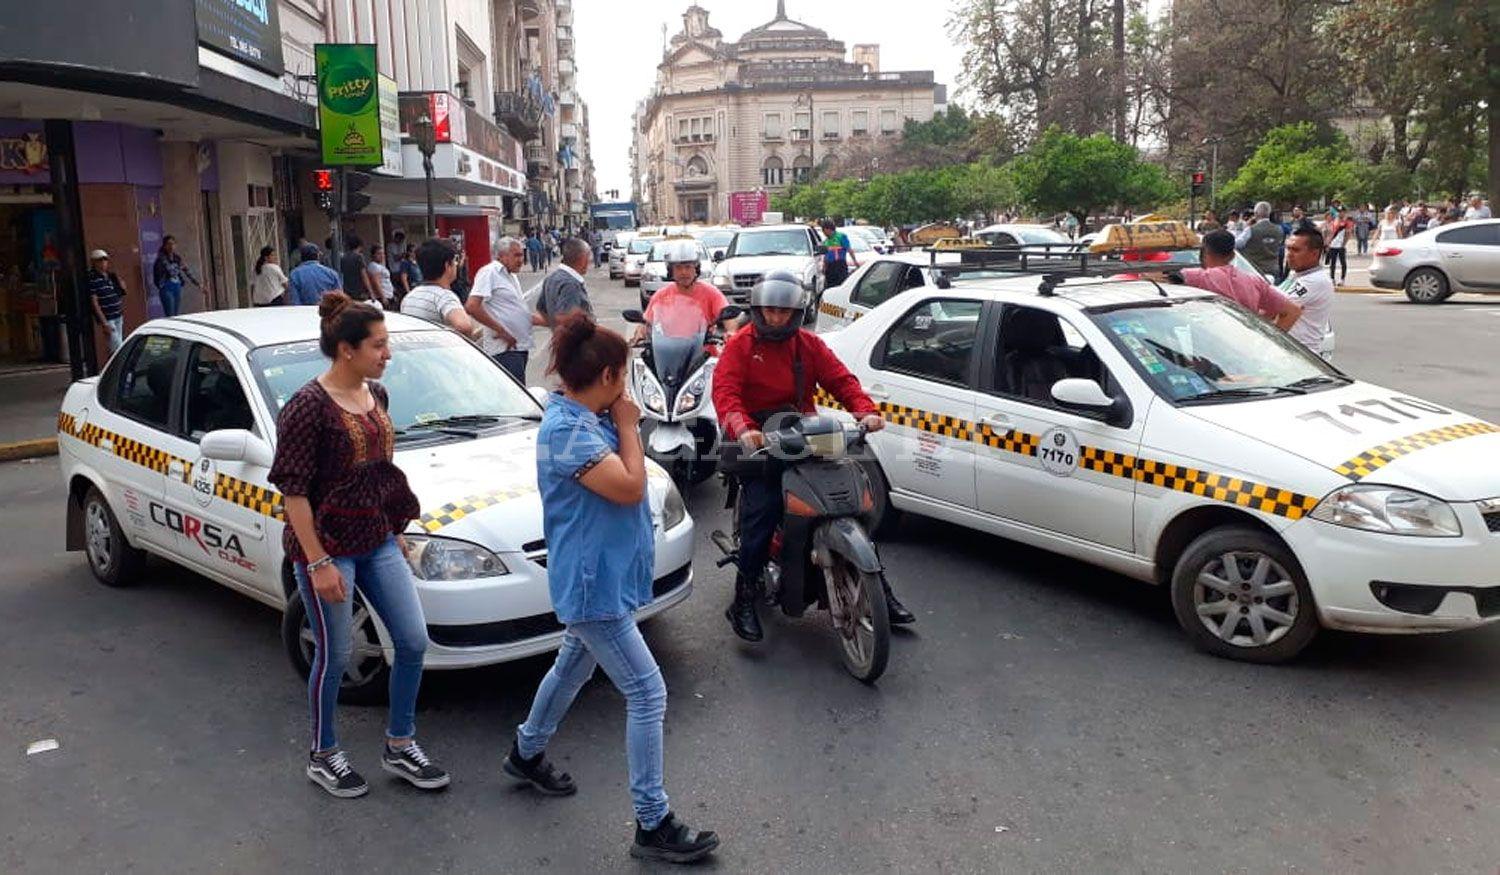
pixel 692 53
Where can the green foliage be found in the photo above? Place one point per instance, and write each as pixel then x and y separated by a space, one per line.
pixel 1067 173
pixel 915 196
pixel 952 128
pixel 1294 164
pixel 1379 184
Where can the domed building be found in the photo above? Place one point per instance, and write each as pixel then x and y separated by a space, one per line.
pixel 758 114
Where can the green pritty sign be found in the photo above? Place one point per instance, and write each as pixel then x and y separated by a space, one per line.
pixel 348 104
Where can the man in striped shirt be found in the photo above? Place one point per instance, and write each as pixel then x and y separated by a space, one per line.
pixel 107 296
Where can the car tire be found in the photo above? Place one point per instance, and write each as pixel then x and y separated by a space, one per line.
pixel 883 519
pixel 368 683
pixel 111 558
pixel 1427 285
pixel 1244 573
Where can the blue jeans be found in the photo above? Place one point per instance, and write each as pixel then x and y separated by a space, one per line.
pixel 514 362
pixel 117 335
pixel 384 578
pixel 170 293
pixel 616 645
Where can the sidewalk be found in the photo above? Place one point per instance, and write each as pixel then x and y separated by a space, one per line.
pixel 31 397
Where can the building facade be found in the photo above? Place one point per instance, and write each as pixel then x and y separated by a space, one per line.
pixel 758 114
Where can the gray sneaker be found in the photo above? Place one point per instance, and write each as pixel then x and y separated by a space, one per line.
pixel 331 771
pixel 411 763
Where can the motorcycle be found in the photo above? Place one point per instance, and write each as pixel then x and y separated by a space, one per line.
pixel 821 553
pixel 672 379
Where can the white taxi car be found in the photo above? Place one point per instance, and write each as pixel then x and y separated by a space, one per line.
pixel 167 451
pixel 636 253
pixel 1172 436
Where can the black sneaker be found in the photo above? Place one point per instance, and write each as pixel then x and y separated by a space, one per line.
pixel 411 763
pixel 331 771
pixel 672 842
pixel 539 773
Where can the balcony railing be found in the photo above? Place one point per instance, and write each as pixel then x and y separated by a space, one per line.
pixel 566 67
pixel 519 113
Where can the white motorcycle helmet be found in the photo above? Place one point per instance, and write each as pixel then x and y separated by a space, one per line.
pixel 681 252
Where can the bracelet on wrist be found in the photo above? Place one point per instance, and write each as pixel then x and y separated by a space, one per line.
pixel 314 566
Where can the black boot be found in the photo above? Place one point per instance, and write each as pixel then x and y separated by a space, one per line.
pixel 741 612
pixel 895 611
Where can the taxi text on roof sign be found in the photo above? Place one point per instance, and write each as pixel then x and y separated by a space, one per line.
pixel 1145 235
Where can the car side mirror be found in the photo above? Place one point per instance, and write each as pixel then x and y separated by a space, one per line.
pixel 634 316
pixel 1082 394
pixel 540 393
pixel 718 256
pixel 236 445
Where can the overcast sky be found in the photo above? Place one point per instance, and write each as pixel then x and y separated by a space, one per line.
pixel 619 45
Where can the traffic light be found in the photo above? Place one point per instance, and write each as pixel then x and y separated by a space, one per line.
pixel 1197 182
pixel 323 189
pixel 354 181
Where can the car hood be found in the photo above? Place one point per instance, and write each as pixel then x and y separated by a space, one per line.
pixel 765 263
pixel 484 490
pixel 1371 434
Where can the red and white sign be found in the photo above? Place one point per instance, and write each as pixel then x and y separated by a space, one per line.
pixel 746 207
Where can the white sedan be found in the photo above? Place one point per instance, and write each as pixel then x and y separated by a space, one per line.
pixel 167 452
pixel 1172 436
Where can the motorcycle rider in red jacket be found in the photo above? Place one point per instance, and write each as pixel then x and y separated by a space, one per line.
pixel 772 366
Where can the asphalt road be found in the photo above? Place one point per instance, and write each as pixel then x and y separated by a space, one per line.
pixel 1044 717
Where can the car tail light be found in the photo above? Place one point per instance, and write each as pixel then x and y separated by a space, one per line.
pixel 1387 252
pixel 1138 255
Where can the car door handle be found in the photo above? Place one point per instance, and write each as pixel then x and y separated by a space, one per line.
pixel 995 420
pixel 878 393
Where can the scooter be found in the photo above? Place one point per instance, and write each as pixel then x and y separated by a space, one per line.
pixel 821 553
pixel 672 380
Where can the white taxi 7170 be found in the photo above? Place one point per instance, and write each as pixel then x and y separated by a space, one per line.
pixel 167 451
pixel 1172 436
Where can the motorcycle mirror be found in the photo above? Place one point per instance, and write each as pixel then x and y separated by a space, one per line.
pixel 730 312
pixel 633 316
pixel 718 256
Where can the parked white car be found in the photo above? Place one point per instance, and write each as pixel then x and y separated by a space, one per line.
pixel 617 253
pixel 636 253
pixel 1172 436
pixel 167 452
pixel 1432 265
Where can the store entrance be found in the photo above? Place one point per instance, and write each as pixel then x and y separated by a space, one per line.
pixel 30 263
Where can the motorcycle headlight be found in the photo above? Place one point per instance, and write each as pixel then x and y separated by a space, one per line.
pixel 1388 510
pixel 673 510
pixel 692 393
pixel 448 559
pixel 651 395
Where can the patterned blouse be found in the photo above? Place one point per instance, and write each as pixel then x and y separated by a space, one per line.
pixel 341 462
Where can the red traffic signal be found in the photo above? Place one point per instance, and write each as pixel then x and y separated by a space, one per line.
pixel 323 180
pixel 1197 177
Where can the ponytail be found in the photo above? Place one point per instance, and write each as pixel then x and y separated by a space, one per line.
pixel 582 350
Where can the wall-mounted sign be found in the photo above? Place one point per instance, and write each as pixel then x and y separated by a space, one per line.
pixel 348 104
pixel 746 207
pixel 390 127
pixel 246 30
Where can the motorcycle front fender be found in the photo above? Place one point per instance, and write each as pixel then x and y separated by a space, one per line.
pixel 845 536
pixel 669 437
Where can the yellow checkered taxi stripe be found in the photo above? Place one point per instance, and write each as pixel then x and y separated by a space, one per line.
pixel 261 499
pixel 1375 458
pixel 1218 487
pixel 448 514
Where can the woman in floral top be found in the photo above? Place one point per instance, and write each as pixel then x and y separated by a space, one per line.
pixel 347 505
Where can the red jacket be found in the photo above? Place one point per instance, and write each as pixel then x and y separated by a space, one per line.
pixel 755 375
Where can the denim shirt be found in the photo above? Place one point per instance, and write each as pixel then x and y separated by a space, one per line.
pixel 600 554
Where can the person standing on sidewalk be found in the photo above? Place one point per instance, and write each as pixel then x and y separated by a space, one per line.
pixel 596 518
pixel 355 271
pixel 1310 286
pixel 169 273
pixel 564 291
pixel 1364 223
pixel 380 277
pixel 268 283
pixel 497 303
pixel 434 300
pixel 107 297
pixel 1337 232
pixel 1261 241
pixel 347 505
pixel 312 279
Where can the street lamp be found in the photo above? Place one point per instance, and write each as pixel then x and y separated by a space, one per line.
pixel 806 98
pixel 426 137
pixel 1213 173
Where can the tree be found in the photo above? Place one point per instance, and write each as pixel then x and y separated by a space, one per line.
pixel 1064 172
pixel 1294 164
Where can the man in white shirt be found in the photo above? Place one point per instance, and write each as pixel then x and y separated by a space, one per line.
pixel 1309 284
pixel 434 300
pixel 1478 209
pixel 496 303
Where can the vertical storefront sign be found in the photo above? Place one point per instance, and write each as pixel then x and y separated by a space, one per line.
pixel 348 104
pixel 390 128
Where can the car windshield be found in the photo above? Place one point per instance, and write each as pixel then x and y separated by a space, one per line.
pixel 640 247
pixel 1207 350
pixel 434 377
pixel 789 242
pixel 659 251
pixel 1179 258
pixel 716 238
pixel 624 237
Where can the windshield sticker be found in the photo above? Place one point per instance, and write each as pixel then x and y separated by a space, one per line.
pixel 304 348
pixel 1200 385
pixel 923 322
pixel 1058 451
pixel 1184 336
pixel 425 418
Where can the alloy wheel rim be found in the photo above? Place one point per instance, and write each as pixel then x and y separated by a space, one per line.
pixel 1425 287
pixel 1246 598
pixel 100 540
pixel 366 657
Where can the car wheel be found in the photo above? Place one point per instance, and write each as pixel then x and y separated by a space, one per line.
pixel 883 518
pixel 366 677
pixel 1239 593
pixel 111 558
pixel 1427 285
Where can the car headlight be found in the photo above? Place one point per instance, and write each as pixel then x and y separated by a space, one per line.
pixel 1388 510
pixel 449 559
pixel 721 281
pixel 652 397
pixel 692 393
pixel 673 511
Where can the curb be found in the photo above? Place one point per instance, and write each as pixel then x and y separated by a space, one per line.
pixel 18 450
pixel 1364 290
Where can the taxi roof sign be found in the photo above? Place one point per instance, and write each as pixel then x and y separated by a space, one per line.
pixel 1169 234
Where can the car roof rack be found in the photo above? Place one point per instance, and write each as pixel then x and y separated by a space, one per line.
pixel 1055 263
